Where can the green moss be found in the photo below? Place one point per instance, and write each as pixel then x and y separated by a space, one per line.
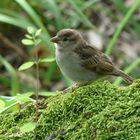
pixel 98 111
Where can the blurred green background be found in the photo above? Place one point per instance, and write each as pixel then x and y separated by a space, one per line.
pixel 113 26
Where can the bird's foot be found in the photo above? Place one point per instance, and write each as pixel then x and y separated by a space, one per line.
pixel 71 88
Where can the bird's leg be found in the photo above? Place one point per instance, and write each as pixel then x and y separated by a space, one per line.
pixel 71 88
pixel 74 86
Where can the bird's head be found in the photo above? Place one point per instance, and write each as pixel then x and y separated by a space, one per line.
pixel 67 38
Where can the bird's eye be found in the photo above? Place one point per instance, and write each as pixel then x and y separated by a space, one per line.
pixel 65 39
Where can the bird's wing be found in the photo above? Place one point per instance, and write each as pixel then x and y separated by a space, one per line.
pixel 94 60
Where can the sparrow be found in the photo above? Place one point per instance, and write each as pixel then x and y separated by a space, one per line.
pixel 81 61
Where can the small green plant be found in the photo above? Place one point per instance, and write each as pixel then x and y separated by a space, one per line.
pixel 32 38
pixel 8 104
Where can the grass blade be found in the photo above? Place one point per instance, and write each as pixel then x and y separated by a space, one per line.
pixel 30 11
pixel 83 17
pixel 121 26
pixel 14 79
pixel 123 9
pixel 128 70
pixel 14 21
pixel 55 10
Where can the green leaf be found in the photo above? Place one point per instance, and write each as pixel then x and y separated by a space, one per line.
pixel 28 36
pixel 24 98
pixel 30 30
pixel 27 42
pixel 38 32
pixel 9 107
pixel 2 104
pixel 28 94
pixel 13 103
pixel 37 41
pixel 6 98
pixel 47 93
pixel 26 65
pixel 45 60
pixel 27 127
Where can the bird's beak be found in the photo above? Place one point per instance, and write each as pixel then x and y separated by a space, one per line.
pixel 55 39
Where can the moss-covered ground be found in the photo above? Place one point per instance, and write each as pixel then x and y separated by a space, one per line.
pixel 99 111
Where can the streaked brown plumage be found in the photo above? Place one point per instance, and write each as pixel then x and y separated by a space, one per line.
pixel 86 62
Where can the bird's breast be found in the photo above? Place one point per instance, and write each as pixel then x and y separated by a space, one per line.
pixel 70 65
pixel 67 60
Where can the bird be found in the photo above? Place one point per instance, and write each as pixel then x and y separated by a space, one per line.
pixel 81 61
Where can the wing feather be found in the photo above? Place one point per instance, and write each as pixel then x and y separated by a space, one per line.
pixel 94 60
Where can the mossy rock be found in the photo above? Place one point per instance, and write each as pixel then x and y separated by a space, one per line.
pixel 99 111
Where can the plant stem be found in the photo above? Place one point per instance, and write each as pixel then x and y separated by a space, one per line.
pixel 37 83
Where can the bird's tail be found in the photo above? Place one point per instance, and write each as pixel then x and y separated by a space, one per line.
pixel 126 77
